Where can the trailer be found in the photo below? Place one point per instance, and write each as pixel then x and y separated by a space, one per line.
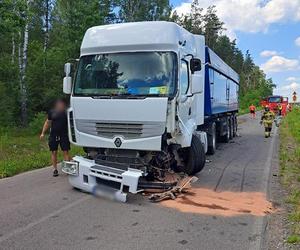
pixel 148 100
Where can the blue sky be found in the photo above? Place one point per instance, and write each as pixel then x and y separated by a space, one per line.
pixel 269 29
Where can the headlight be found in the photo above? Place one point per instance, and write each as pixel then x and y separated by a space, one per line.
pixel 70 167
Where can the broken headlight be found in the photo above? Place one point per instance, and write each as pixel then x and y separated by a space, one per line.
pixel 71 167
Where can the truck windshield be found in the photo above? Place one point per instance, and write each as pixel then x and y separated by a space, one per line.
pixel 275 99
pixel 127 74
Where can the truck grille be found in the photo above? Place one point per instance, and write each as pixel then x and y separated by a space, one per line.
pixel 127 130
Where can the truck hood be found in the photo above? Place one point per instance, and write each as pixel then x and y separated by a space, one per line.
pixel 120 110
pixel 98 122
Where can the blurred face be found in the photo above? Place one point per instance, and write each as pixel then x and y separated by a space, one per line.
pixel 60 106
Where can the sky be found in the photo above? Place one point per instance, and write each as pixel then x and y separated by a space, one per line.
pixel 269 29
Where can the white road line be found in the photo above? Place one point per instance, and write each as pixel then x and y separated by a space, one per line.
pixel 34 223
pixel 260 222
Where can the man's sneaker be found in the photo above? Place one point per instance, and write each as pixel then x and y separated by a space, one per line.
pixel 55 173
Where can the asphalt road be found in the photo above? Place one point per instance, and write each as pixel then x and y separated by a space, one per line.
pixel 38 211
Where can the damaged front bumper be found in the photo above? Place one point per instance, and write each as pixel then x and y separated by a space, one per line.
pixel 102 180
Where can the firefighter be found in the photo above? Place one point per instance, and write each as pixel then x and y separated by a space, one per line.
pixel 267 120
pixel 252 110
pixel 279 106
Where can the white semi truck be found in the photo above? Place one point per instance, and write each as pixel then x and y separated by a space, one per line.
pixel 147 99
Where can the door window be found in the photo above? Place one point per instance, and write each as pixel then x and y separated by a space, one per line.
pixel 184 77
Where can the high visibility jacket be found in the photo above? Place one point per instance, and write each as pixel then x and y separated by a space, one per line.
pixel 252 108
pixel 279 107
pixel 268 117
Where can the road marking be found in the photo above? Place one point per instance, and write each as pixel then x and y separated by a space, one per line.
pixel 259 224
pixel 34 223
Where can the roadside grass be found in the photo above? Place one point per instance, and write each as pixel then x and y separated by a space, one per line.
pixel 21 151
pixel 290 170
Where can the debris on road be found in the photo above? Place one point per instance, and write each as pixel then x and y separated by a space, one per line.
pixel 177 190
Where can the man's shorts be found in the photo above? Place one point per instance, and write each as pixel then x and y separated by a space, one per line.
pixel 62 141
pixel 252 111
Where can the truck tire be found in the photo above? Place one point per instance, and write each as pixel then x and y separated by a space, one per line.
pixel 226 137
pixel 231 126
pixel 212 139
pixel 235 126
pixel 194 157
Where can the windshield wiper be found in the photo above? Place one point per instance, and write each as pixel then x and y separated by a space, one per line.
pixel 156 95
pixel 127 96
pixel 101 97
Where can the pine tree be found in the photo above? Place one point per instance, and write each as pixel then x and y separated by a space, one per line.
pixel 143 10
pixel 212 26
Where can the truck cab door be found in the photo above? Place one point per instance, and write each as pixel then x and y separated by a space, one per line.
pixel 185 100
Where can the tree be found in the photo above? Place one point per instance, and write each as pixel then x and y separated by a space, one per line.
pixel 212 26
pixel 143 10
pixel 192 21
pixel 71 19
pixel 47 9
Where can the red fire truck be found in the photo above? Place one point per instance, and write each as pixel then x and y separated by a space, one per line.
pixel 274 102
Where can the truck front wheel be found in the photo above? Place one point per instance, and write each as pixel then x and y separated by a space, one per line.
pixel 194 157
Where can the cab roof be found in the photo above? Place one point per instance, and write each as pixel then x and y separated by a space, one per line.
pixel 137 36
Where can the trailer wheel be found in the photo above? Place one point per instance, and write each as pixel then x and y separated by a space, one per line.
pixel 231 127
pixel 235 126
pixel 194 157
pixel 212 139
pixel 226 137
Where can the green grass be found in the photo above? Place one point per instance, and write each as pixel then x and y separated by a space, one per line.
pixel 290 170
pixel 292 239
pixel 21 150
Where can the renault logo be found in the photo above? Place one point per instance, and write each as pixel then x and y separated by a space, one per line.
pixel 118 142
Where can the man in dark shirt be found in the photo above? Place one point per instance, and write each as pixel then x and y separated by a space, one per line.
pixel 58 123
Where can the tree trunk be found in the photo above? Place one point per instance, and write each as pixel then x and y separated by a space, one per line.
pixel 22 68
pixel 46 38
pixel 13 48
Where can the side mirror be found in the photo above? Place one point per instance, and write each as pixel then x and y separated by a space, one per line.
pixel 67 85
pixel 68 69
pixel 195 65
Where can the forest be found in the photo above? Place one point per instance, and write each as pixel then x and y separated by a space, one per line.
pixel 37 37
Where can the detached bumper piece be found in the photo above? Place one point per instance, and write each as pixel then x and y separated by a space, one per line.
pixel 114 183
